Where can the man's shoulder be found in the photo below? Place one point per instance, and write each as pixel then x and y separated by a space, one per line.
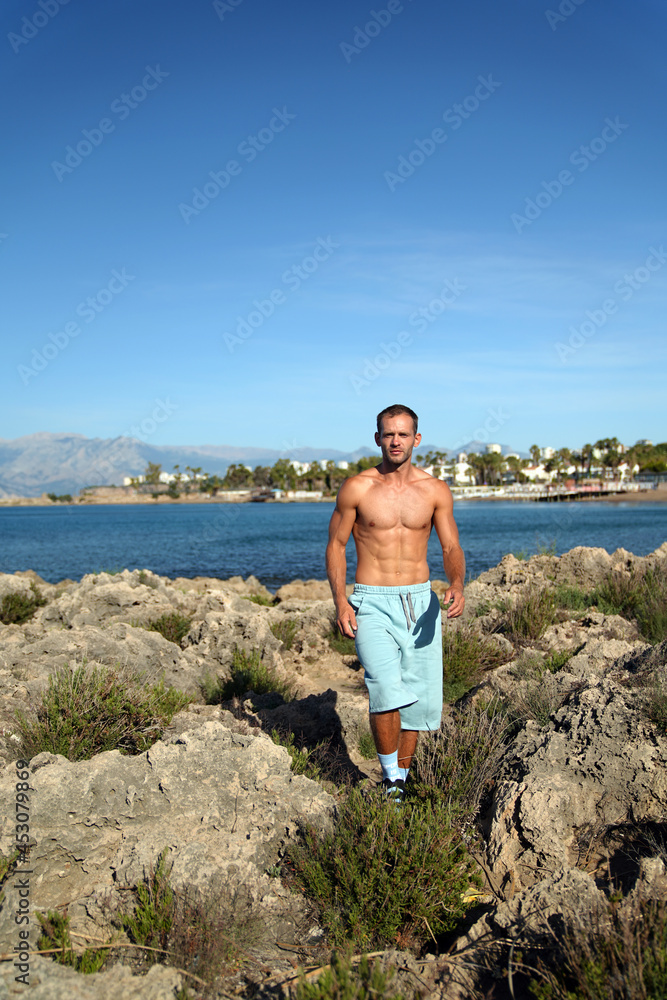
pixel 361 479
pixel 436 488
pixel 355 486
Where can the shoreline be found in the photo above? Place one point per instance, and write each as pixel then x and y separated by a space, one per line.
pixel 657 495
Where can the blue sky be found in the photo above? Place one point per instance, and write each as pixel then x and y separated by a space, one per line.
pixel 277 219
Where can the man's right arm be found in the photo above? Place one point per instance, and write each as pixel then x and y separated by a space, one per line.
pixel 340 527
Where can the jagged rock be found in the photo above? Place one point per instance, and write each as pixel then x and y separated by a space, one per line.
pixel 220 633
pixel 29 655
pixel 101 598
pixel 648 660
pixel 320 717
pixel 14 584
pixel 531 919
pixel 581 567
pixel 307 590
pixel 50 981
pixel 224 805
pixel 599 764
pixel 250 587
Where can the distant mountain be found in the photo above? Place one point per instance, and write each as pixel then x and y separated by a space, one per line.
pixel 64 463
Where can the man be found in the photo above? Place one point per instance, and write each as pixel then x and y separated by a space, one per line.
pixel 393 614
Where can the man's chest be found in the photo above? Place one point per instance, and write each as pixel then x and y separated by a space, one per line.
pixel 384 509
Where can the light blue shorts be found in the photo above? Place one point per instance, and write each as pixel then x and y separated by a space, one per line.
pixel 399 643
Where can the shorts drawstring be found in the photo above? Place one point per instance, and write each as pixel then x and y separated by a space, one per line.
pixel 409 618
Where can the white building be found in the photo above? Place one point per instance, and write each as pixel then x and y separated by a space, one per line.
pixel 494 449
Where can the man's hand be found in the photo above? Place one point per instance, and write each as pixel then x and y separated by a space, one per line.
pixel 455 595
pixel 346 621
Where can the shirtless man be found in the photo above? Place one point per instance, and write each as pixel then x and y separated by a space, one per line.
pixel 393 614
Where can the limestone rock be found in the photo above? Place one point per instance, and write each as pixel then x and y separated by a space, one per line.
pixel 50 981
pixel 599 764
pixel 224 805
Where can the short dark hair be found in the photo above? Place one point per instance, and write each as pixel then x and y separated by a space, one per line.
pixel 394 411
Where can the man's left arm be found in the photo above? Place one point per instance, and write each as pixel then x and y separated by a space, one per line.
pixel 453 560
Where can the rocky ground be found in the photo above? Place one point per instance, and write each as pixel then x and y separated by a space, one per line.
pixel 579 799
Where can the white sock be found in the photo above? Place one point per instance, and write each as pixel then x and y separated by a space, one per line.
pixel 403 772
pixel 389 765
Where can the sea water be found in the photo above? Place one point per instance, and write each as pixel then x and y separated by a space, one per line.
pixel 282 542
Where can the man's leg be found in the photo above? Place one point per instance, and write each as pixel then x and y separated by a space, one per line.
pixel 386 730
pixel 407 744
pixel 395 746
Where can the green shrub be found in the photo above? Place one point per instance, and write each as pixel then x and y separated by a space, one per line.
pixel 657 704
pixel 173 626
pixel 465 656
pixel 556 661
pixel 200 933
pixel 340 981
pixel 84 712
pixel 248 673
pixel 56 934
pixel 304 760
pixel 153 918
pixel 341 643
pixel 62 498
pixel 641 595
pixel 459 762
pixel 621 955
pixel 17 607
pixel 384 875
pixel 285 631
pixel 547 550
pixel 532 615
pixel 7 864
pixel 538 696
pixel 571 598
pixel 261 599
pixel 367 746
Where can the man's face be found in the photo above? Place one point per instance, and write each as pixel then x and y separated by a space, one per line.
pixel 397 439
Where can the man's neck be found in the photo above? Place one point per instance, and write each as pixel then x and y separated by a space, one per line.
pixel 398 473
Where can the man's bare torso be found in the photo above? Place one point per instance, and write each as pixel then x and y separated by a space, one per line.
pixel 392 528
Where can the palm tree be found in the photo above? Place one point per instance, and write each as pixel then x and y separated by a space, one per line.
pixel 535 453
pixel 587 458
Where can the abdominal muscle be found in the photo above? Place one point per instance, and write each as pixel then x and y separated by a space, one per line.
pixel 392 557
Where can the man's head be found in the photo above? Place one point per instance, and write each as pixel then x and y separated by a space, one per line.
pixel 397 434
pixel 395 410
